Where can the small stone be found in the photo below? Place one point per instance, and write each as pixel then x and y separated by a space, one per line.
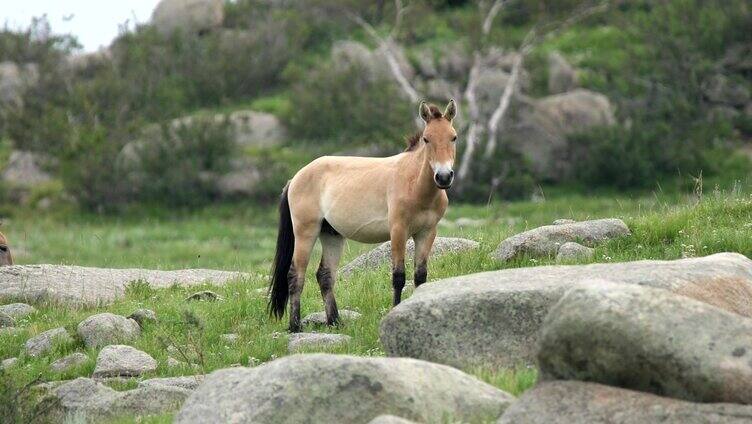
pixel 7 363
pixel 390 419
pixel 229 338
pixel 17 310
pixel 206 296
pixel 6 320
pixel 43 342
pixel 106 328
pixel 319 318
pixel 571 251
pixel 71 361
pixel 298 341
pixel 122 360
pixel 142 316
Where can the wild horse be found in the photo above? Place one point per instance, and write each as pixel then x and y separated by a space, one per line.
pixel 369 200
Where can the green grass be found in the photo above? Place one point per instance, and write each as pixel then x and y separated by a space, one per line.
pixel 238 238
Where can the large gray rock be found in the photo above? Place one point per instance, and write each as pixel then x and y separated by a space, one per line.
pixel 253 128
pixel 545 241
pixel 382 255
pixel 77 285
pixel 647 339
pixel 105 329
pixel 539 129
pixel 15 79
pixel 724 90
pixel 71 361
pixel 24 170
pixel 122 360
pixel 321 388
pixel 562 77
pixel 43 342
pixel 566 402
pixel 298 341
pixel 373 63
pixel 187 382
pixel 493 318
pixel 99 403
pixel 188 15
pixel 17 310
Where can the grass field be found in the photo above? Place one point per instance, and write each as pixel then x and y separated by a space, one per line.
pixel 235 238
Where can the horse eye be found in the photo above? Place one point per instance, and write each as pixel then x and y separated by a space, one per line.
pixel 454 138
pixel 3 248
pixel 425 140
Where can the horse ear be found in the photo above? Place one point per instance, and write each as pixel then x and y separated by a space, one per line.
pixel 451 110
pixel 424 112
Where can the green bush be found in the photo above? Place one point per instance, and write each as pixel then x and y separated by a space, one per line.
pixel 180 165
pixel 344 104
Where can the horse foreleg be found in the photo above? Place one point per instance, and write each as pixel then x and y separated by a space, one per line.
pixel 423 244
pixel 398 236
pixel 296 277
pixel 331 250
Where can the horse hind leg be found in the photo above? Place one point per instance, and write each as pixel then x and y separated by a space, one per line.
pixel 332 244
pixel 305 238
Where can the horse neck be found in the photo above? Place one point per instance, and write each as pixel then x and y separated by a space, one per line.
pixel 425 187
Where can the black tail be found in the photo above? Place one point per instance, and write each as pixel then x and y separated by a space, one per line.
pixel 278 288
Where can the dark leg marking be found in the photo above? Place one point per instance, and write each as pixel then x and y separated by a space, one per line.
pixel 292 283
pixel 420 274
pixel 398 283
pixel 326 284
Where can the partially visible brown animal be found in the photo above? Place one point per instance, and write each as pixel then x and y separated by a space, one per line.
pixel 5 257
pixel 370 200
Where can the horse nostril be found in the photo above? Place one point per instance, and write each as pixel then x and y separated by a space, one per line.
pixel 451 174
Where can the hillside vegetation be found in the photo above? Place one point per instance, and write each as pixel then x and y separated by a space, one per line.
pixel 675 73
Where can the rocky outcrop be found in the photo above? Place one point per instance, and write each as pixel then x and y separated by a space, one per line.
pixel 494 318
pixel 25 170
pixel 567 402
pixel 547 240
pixel 194 16
pixel 382 255
pixel 538 129
pixel 647 339
pixel 15 79
pixel 562 77
pixel 77 285
pixel 347 389
pixel 104 329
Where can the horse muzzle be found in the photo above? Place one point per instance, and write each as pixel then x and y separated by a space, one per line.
pixel 444 178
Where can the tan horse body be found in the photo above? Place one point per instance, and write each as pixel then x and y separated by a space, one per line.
pixel 369 200
pixel 5 257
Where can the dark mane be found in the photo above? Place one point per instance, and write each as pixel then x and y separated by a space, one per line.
pixel 412 141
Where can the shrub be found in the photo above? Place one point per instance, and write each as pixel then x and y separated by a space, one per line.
pixel 179 166
pixel 343 104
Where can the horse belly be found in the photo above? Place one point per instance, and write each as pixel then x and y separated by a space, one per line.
pixel 364 221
